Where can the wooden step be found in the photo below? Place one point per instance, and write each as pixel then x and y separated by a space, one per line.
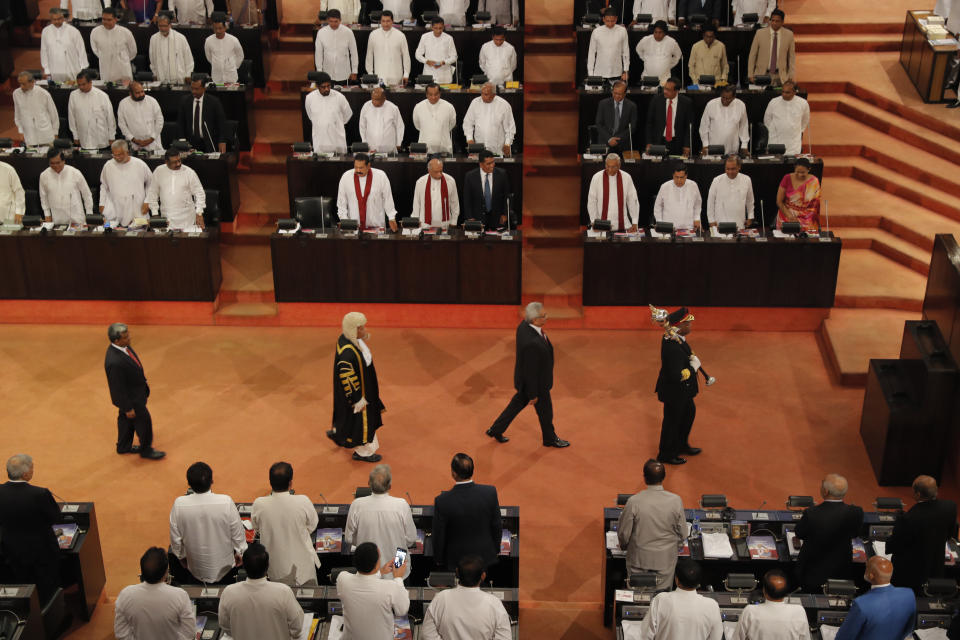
pixel 850 338
pixel 246 313
pixel 886 244
pixel 295 43
pixel 868 280
pixel 842 28
pixel 844 43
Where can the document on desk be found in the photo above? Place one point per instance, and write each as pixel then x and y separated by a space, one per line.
pixel 336 628
pixel 306 628
pixel 880 549
pixel 716 545
pixel 729 628
pixel 931 634
pixel 828 632
pixel 632 629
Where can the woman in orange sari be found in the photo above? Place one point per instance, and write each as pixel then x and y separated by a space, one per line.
pixel 798 197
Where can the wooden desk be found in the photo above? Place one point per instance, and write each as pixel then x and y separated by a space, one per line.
pixel 83 563
pixel 925 62
pixel 396 269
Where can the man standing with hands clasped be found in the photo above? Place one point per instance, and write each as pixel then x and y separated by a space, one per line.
pixel 532 378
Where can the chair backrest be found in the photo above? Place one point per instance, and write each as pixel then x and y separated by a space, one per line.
pixel 169 133
pixel 32 201
pixel 309 211
pixel 64 131
pixel 230 128
pixel 760 138
pixel 243 73
pixel 141 62
pixel 211 214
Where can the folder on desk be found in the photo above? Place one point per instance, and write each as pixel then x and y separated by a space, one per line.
pixel 859 551
pixel 418 545
pixel 762 548
pixel 329 540
pixel 66 534
pixel 201 623
pixel 505 542
pixel 401 629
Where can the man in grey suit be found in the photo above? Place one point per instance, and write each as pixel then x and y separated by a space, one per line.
pixel 652 526
pixel 613 117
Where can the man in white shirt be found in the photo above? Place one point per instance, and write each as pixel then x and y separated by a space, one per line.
pixel 176 193
pixel 152 609
pixel 609 52
pixel 437 52
pixel 454 12
pixel 659 53
pixel 465 611
pixel 387 54
pixel 329 112
pixel 206 535
pixel 286 521
pixel 84 9
pixel 140 119
pixel 381 125
pixel 786 118
pixel 773 619
pixel 679 201
pixel 62 52
pixel 730 198
pixel 114 47
pixel 724 121
pixel 763 9
pixel 335 50
pixel 659 10
pixel 224 53
pixel 349 10
pixel 12 197
pixel 64 194
pixel 257 609
pixel 192 11
pixel 489 121
pixel 381 519
pixel 435 119
pixel 498 58
pixel 171 59
pixel 124 182
pixel 90 115
pixel 435 199
pixel 501 11
pixel 34 112
pixel 683 614
pixel 374 596
pixel 399 9
pixel 613 197
pixel 364 194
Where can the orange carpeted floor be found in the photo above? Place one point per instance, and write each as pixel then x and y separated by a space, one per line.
pixel 242 398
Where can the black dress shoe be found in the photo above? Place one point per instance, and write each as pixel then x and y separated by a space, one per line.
pixel 558 443
pixel 674 460
pixel 499 437
pixel 954 105
pixel 153 454
pixel 332 434
pixel 134 449
pixel 691 451
pixel 376 457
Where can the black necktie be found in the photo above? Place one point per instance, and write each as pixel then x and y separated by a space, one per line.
pixel 196 119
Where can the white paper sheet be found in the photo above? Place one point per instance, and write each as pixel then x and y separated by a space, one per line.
pixel 716 545
pixel 828 632
pixel 305 629
pixel 631 629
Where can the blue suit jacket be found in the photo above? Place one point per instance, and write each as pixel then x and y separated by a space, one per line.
pixel 887 613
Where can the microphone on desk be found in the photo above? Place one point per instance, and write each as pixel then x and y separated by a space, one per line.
pixel 739 85
pixel 763 223
pixel 409 499
pixel 324 499
pixel 762 505
pixel 630 132
pixel 810 137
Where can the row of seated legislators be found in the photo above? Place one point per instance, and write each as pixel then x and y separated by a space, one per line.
pixel 208 545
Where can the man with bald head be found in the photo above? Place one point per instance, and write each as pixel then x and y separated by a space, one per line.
pixel 773 619
pixel 825 531
pixel 435 199
pixel 381 125
pixel 652 527
pixel 885 612
pixel 920 534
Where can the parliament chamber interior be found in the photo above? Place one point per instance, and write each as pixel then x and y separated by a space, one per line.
pixel 576 206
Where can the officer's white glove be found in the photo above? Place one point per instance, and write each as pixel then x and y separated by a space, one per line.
pixel 360 406
pixel 695 363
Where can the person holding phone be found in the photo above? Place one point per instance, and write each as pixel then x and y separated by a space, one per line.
pixel 374 596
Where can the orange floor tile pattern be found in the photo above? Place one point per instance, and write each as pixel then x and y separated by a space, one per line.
pixel 242 398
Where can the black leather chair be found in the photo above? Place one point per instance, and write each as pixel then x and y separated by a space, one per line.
pixel 211 214
pixel 310 211
pixel 244 71
pixel 56 619
pixel 169 133
pixel 230 128
pixel 32 203
pixel 64 131
pixel 760 138
pixel 141 62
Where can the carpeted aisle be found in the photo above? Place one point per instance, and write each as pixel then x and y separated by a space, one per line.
pixel 243 398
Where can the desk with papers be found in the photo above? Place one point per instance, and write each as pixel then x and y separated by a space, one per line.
pixel 408 98
pixel 393 268
pixel 926 61
pixel 81 560
pixel 216 171
pixel 253 39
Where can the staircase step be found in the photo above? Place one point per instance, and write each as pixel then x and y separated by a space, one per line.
pixel 287 43
pixel 850 338
pixel 552 237
pixel 886 244
pixel 297 29
pixel 245 313
pixel 266 296
pixel 842 28
pixel 869 280
pixel 549 46
pixel 279 99
pixel 837 43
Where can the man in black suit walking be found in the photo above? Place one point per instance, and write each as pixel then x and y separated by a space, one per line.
pixel 676 388
pixel 129 392
pixel 28 543
pixel 919 536
pixel 673 131
pixel 485 193
pixel 201 118
pixel 617 119
pixel 825 531
pixel 532 378
pixel 466 519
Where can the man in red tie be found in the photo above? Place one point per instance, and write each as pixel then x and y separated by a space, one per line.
pixel 532 379
pixel 129 392
pixel 669 118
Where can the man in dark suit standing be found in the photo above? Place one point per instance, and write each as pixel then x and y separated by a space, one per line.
pixel 712 9
pixel 676 388
pixel 466 519
pixel 129 392
pixel 532 378
pixel 669 118
pixel 28 543
pixel 617 119
pixel 825 531
pixel 485 193
pixel 919 536
pixel 201 118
